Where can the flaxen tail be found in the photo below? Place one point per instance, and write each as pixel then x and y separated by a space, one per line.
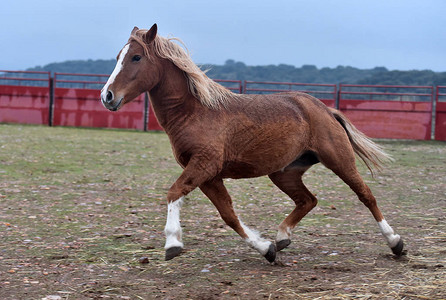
pixel 371 153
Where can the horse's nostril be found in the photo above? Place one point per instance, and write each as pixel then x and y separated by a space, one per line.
pixel 109 96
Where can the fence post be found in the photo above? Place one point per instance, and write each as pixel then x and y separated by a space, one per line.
pixel 146 111
pixel 338 96
pixel 51 104
pixel 434 100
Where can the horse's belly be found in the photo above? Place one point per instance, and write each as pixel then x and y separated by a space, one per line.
pixel 256 167
pixel 243 170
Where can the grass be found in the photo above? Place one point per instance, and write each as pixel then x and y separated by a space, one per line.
pixel 84 205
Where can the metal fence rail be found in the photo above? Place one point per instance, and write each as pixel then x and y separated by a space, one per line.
pixel 82 81
pixel 24 78
pixel 386 92
pixel 327 93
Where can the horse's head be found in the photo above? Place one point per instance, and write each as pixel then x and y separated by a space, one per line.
pixel 135 72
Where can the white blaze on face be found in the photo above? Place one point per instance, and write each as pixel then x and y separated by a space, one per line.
pixel 115 72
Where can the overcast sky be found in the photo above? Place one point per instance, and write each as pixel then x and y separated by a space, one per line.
pixel 397 34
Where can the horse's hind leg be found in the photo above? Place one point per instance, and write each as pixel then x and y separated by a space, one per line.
pixel 290 182
pixel 217 193
pixel 340 159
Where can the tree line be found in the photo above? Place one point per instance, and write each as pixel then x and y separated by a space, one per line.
pixel 234 70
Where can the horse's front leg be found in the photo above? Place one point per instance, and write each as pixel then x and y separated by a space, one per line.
pixel 193 175
pixel 174 239
pixel 217 193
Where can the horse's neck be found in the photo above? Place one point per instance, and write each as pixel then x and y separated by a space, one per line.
pixel 171 99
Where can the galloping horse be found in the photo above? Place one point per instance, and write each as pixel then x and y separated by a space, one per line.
pixel 216 134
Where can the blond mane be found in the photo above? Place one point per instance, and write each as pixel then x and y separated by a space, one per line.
pixel 207 91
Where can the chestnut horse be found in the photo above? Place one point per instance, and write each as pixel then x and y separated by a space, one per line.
pixel 216 134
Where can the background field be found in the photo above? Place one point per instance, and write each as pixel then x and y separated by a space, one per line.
pixel 79 208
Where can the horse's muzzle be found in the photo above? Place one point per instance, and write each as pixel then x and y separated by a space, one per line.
pixel 112 107
pixel 109 102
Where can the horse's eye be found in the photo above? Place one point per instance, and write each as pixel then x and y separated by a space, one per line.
pixel 136 58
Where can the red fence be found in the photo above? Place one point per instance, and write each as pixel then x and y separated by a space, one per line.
pixel 24 97
pixel 440 114
pixel 402 112
pixel 76 103
pixel 398 112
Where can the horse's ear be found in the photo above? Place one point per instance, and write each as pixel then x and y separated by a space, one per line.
pixel 135 29
pixel 151 34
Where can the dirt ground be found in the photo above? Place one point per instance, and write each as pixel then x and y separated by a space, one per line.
pixel 82 214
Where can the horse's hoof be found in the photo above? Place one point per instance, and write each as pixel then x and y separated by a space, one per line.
pixel 271 254
pixel 398 249
pixel 173 252
pixel 283 244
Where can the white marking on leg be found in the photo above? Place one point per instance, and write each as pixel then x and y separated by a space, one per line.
pixel 115 72
pixel 283 234
pixel 173 228
pixel 255 241
pixel 388 233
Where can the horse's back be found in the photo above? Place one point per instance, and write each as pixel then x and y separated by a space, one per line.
pixel 301 104
pixel 268 132
pixel 299 110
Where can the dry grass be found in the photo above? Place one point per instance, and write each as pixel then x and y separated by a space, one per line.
pixel 79 208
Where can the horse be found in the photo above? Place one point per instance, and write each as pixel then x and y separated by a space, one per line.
pixel 217 134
